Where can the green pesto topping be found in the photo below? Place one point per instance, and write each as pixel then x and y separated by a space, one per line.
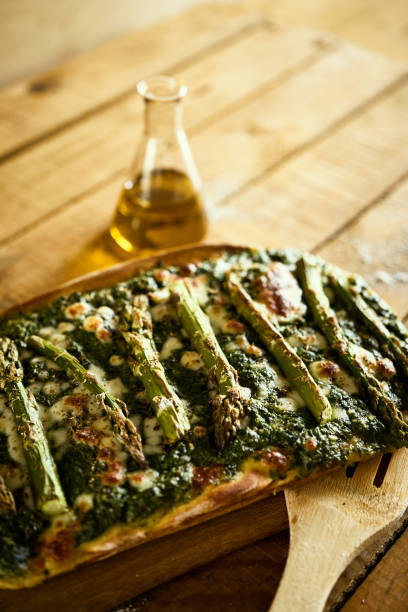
pixel 103 482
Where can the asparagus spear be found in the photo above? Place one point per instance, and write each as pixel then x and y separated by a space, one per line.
pixel 231 399
pixel 41 466
pixel 136 327
pixel 357 304
pixel 124 429
pixel 291 364
pixel 7 504
pixel 310 276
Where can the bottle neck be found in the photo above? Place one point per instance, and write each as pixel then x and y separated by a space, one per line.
pixel 163 118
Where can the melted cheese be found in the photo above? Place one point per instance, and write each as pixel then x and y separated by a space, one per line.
pixel 283 284
pixel 142 480
pixel 97 371
pixel 160 311
pixel 16 478
pixel 371 362
pixel 58 436
pixel 153 436
pixel 52 387
pixel 161 296
pixel 341 378
pixel 221 267
pixel 59 439
pixel 307 336
pixel 115 386
pixel 199 288
pixel 56 413
pixel 106 313
pixel 172 344
pixel 55 336
pixel 116 360
pixel 77 310
pixel 152 431
pixel 64 326
pixel 50 364
pixel 8 427
pixel 231 346
pixel 294 396
pixel 287 403
pixel 92 323
pixel 85 501
pixel 218 316
pixel 191 360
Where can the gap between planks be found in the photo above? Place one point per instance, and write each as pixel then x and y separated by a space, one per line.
pixel 286 76
pixel 202 24
pixel 319 138
pixel 130 91
pixel 30 107
pixel 17 173
pixel 353 220
pixel 378 550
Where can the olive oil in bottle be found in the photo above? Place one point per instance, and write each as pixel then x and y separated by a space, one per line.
pixel 166 211
pixel 160 205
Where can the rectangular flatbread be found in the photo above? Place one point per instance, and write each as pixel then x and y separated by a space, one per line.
pixel 136 400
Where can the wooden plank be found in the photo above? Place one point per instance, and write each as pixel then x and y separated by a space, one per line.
pixel 376 246
pixel 58 170
pixel 101 585
pixel 385 588
pixel 378 25
pixel 293 116
pixel 248 579
pixel 244 580
pixel 46 33
pixel 249 140
pixel 298 205
pixel 32 107
pixel 318 192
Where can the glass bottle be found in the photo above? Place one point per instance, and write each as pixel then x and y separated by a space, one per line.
pixel 160 204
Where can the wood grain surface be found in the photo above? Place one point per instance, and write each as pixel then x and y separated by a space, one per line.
pixel 299 126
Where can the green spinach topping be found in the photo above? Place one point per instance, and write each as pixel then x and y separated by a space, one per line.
pixel 179 471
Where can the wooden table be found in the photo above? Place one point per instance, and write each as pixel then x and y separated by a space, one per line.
pixel 301 139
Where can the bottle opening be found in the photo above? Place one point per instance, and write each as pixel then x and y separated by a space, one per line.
pixel 161 88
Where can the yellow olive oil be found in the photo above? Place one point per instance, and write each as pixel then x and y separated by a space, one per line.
pixel 159 210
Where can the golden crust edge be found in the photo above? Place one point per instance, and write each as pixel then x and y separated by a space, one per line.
pixel 215 500
pixel 126 270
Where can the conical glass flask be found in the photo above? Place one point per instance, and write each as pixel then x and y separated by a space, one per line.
pixel 160 204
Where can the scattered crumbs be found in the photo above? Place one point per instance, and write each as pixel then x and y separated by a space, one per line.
pixel 393 253
pixel 388 278
pixel 364 252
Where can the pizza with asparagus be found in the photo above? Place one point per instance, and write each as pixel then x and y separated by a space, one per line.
pixel 165 391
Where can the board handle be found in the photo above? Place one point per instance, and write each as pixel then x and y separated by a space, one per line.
pixel 323 541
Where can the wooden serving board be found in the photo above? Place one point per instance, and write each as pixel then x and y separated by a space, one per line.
pixel 103 584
